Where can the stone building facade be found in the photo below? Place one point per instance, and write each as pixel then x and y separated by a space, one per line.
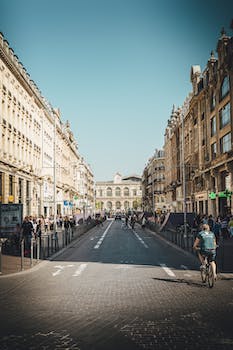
pixel 201 134
pixel 153 181
pixel 120 195
pixel 39 158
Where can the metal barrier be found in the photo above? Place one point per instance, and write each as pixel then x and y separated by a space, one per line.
pixel 44 246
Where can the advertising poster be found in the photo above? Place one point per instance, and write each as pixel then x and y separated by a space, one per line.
pixel 10 216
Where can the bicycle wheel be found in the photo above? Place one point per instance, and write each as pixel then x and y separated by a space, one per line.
pixel 203 275
pixel 210 277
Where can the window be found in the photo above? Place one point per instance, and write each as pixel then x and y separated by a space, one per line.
pixel 126 191
pixel 126 205
pixel 20 188
pixel 109 205
pixel 109 192
pixel 27 189
pixel 225 115
pixel 213 150
pixel 118 205
pixel 213 126
pixel 134 192
pixel 118 192
pixel 225 87
pixel 10 185
pixel 100 193
pixel 225 143
pixel 212 102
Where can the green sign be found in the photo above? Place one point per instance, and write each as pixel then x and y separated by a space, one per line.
pixel 225 194
pixel 212 195
pixel 75 197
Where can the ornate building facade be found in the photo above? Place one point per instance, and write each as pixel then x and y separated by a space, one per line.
pixel 201 175
pixel 39 158
pixel 120 195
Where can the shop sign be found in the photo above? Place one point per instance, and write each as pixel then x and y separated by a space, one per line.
pixel 212 195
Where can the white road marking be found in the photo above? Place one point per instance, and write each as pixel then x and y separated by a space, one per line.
pixel 80 269
pixel 102 237
pixel 167 270
pixel 60 269
pixel 140 239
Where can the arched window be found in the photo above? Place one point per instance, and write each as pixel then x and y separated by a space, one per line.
pixel 126 205
pixel 109 192
pixel 100 193
pixel 118 205
pixel 225 87
pixel 126 191
pixel 109 205
pixel 135 205
pixel 118 192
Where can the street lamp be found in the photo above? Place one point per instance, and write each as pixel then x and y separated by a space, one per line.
pixel 54 175
pixel 183 175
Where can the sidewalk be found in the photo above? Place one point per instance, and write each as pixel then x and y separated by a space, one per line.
pixel 11 264
pixel 225 255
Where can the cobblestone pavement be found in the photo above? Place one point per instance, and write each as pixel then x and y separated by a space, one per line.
pixel 116 289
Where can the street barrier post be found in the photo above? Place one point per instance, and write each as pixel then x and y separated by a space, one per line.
pixel 22 254
pixel 32 252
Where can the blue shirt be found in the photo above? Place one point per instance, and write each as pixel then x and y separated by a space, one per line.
pixel 207 240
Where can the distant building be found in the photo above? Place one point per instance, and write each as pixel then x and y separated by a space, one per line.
pixel 153 180
pixel 120 195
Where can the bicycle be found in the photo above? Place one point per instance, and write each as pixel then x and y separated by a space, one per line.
pixel 207 273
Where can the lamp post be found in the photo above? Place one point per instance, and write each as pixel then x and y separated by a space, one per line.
pixel 54 175
pixel 183 175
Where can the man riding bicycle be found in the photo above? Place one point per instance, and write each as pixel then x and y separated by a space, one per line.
pixel 206 241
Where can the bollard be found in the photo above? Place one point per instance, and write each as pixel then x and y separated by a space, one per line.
pixel 32 252
pixel 0 256
pixel 22 254
pixel 38 249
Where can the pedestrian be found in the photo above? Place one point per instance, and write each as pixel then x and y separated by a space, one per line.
pixel 66 227
pixel 217 229
pixel 143 222
pixel 27 232
pixel 211 222
pixel 230 227
pixel 224 227
pixel 39 230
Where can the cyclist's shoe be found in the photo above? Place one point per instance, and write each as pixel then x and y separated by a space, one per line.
pixel 202 267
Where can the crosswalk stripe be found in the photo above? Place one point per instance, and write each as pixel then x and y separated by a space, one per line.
pixel 167 270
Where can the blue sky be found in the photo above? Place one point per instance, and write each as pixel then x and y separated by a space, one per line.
pixel 114 67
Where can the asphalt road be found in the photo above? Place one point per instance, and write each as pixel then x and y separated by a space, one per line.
pixel 116 288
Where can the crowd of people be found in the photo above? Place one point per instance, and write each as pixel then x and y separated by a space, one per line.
pixel 221 226
pixel 35 227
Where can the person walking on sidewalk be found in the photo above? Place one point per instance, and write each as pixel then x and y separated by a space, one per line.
pixel 27 232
